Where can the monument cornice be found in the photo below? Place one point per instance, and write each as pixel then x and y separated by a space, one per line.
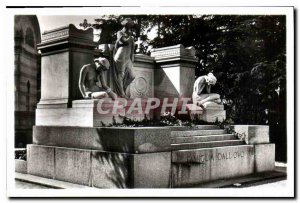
pixel 176 59
pixel 142 58
pixel 174 54
pixel 65 37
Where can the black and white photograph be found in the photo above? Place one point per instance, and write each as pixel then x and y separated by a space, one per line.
pixel 150 102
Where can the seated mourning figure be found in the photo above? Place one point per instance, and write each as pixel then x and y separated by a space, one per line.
pixel 202 95
pixel 90 75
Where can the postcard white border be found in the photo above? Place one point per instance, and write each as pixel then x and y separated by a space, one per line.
pixel 245 192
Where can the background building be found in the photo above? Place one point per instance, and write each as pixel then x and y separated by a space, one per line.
pixel 27 76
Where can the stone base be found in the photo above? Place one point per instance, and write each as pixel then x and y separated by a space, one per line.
pixel 209 112
pixel 194 111
pixel 143 157
pixel 253 134
pixel 181 168
pixel 190 167
pixel 213 115
pixel 99 168
pixel 113 139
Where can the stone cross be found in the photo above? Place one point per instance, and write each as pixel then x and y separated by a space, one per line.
pixel 85 24
pixel 139 45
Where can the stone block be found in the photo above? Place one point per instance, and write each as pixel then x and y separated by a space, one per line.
pixel 111 170
pixel 253 134
pixel 213 105
pixel 187 79
pixel 212 115
pixel 20 166
pixel 118 170
pixel 143 84
pixel 135 140
pixel 264 157
pixel 73 165
pixel 115 139
pixel 84 113
pixel 152 170
pixel 203 165
pixel 64 117
pixel 194 111
pixel 40 161
pixel 175 75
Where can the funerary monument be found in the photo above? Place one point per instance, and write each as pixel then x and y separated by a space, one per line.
pixel 72 143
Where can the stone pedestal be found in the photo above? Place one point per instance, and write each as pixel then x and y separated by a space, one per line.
pixel 175 71
pixel 84 113
pixel 213 112
pixel 93 113
pixel 64 51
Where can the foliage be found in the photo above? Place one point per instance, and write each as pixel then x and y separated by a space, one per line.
pixel 228 125
pixel 21 154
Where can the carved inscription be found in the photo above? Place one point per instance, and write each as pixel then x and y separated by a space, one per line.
pixel 210 157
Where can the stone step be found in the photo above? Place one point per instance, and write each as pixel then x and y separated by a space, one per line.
pixel 254 179
pixel 188 133
pixel 196 127
pixel 47 182
pixel 197 145
pixel 203 138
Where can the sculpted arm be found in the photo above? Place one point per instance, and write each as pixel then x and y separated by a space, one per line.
pixel 82 76
pixel 102 80
pixel 201 86
pixel 208 88
pixel 104 85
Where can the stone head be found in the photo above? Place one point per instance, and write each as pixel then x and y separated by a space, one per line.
pixel 101 63
pixel 211 79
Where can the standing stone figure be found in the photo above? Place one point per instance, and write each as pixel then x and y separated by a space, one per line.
pixel 123 58
pixel 204 83
pixel 90 74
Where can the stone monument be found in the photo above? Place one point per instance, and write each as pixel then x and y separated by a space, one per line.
pixel 70 143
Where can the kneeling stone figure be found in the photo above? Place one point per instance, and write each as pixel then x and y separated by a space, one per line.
pixel 202 84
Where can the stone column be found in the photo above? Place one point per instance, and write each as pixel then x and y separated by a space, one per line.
pixel 175 71
pixel 64 51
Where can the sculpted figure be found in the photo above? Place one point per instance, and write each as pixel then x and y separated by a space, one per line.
pixel 123 57
pixel 90 74
pixel 202 84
